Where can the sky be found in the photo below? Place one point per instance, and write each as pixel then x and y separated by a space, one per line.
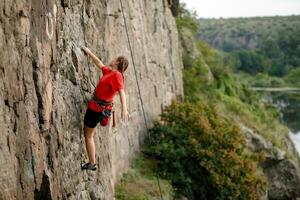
pixel 243 8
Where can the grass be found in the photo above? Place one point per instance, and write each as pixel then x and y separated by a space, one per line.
pixel 140 183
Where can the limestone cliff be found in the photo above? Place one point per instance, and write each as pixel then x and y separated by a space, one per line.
pixel 46 82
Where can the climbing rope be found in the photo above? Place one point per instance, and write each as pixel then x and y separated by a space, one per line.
pixel 134 67
pixel 139 90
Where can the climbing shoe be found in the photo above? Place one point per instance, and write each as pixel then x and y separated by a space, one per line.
pixel 88 166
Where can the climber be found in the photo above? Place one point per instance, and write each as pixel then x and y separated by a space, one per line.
pixel 100 106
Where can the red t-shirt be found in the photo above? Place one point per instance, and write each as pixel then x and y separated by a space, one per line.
pixel 109 84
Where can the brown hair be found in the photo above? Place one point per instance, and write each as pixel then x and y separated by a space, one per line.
pixel 123 64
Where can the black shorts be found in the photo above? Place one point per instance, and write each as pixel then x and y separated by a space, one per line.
pixel 91 118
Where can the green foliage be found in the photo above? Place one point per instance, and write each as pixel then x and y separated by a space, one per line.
pixel 293 77
pixel 251 62
pixel 206 51
pixel 264 80
pixel 233 96
pixel 203 154
pixel 231 91
pixel 187 19
pixel 263 44
pixel 195 79
pixel 271 49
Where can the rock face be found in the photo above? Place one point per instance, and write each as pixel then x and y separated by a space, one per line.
pixel 191 53
pixel 189 45
pixel 283 174
pixel 174 6
pixel 46 82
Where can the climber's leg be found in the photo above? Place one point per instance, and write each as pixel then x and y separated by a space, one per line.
pixel 91 119
pixel 89 142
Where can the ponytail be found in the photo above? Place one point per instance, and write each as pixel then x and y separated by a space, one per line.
pixel 123 64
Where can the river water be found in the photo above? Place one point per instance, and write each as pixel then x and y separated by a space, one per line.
pixel 288 104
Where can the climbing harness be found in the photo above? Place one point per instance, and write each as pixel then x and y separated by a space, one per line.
pixel 107 111
pixel 139 90
pixel 101 102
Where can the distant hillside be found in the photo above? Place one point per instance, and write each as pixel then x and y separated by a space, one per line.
pixel 263 44
pixel 246 33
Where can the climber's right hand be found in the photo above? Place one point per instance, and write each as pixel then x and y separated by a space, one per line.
pixel 95 59
pixel 124 115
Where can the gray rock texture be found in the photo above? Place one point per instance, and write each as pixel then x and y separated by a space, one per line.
pixel 46 81
pixel 282 173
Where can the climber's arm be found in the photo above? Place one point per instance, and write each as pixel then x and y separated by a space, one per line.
pixel 124 113
pixel 95 59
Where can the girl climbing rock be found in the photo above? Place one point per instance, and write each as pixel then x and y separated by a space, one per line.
pixel 100 106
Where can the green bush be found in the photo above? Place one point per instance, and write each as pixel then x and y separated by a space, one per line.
pixel 203 154
pixel 293 77
pixel 264 80
pixel 195 79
